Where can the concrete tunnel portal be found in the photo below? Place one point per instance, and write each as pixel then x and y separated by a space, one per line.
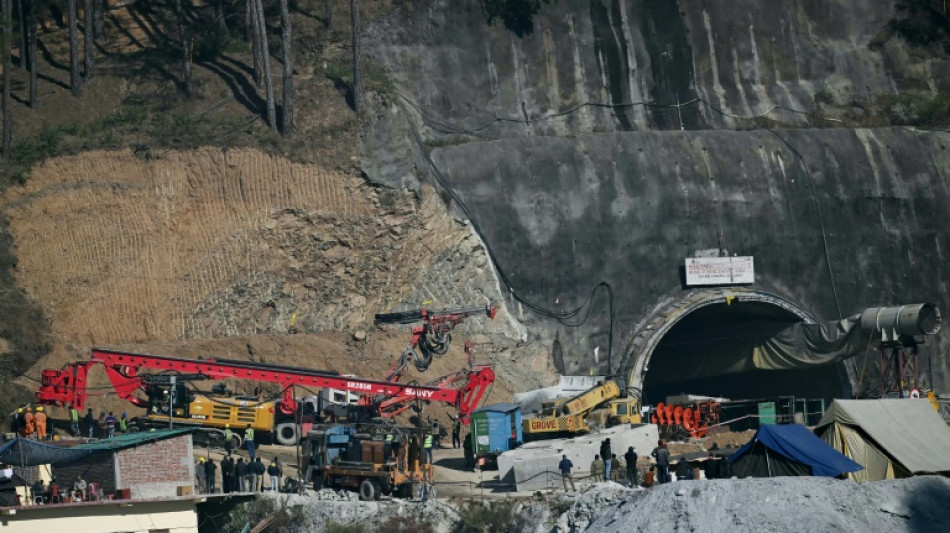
pixel 680 348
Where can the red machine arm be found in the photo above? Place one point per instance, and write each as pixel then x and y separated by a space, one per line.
pixel 61 387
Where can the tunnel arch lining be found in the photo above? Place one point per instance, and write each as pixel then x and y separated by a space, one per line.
pixel 671 312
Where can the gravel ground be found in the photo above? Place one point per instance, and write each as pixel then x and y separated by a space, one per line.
pixel 774 505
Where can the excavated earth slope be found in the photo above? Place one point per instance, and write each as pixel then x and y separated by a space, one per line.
pixel 240 253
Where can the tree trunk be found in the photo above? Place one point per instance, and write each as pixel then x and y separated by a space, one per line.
pixel 7 23
pixel 265 61
pixel 73 50
pixel 357 83
pixel 24 61
pixel 286 48
pixel 31 23
pixel 99 20
pixel 88 39
pixel 327 13
pixel 253 28
pixel 185 49
pixel 220 17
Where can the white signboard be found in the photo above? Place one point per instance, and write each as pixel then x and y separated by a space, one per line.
pixel 719 270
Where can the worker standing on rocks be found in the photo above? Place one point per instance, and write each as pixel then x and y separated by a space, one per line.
pixel 41 420
pixel 597 468
pixel 631 458
pixel 662 456
pixel 606 454
pixel 565 467
pixel 249 440
pixel 73 420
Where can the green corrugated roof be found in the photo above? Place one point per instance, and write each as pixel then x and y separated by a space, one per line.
pixel 128 440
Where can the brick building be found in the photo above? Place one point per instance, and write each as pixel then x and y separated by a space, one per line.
pixel 150 464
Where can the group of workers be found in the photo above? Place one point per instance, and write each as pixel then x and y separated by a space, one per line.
pixel 237 475
pixel 30 424
pixel 607 466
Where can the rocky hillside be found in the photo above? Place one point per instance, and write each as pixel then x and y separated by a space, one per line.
pixel 606 140
pixel 144 220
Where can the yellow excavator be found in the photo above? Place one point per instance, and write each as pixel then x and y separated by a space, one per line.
pixel 603 405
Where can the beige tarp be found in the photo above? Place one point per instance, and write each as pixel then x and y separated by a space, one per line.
pixel 890 438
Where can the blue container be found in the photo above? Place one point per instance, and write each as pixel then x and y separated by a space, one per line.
pixel 496 428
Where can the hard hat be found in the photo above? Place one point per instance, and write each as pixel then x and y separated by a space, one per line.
pixel 227 425
pixel 19 410
pixel 201 459
pixel 40 408
pixel 123 414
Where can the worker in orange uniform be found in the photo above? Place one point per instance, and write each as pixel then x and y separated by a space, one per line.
pixel 29 426
pixel 40 419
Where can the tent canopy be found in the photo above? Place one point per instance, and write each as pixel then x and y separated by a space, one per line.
pixel 909 430
pixel 795 451
pixel 27 452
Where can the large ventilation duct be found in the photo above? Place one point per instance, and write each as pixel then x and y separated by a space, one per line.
pixel 800 346
pixel 905 321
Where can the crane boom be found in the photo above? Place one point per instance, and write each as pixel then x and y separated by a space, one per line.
pixel 68 385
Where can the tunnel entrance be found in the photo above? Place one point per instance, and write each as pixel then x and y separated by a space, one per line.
pixel 700 353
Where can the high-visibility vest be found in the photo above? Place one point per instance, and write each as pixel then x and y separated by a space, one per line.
pixel 249 434
pixel 389 438
pixel 123 424
pixel 428 442
pixel 74 415
pixel 228 435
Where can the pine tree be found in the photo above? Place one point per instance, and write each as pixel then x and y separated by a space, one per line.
pixel 265 61
pixel 286 46
pixel 73 50
pixel 357 82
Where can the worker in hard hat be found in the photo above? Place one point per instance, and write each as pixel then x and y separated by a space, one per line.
pixel 29 423
pixel 40 420
pixel 228 439
pixel 17 422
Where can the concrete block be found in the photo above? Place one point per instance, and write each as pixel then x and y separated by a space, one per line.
pixel 534 466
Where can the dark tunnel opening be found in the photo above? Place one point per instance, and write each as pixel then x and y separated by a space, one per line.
pixel 686 359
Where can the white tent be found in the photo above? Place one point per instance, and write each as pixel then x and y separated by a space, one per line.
pixel 891 438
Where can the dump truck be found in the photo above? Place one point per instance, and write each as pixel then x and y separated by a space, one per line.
pixel 603 405
pixel 374 459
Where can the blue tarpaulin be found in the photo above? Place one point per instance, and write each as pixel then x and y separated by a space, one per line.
pixel 789 450
pixel 26 452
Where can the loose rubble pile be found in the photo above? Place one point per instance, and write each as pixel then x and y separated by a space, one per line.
pixel 726 506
